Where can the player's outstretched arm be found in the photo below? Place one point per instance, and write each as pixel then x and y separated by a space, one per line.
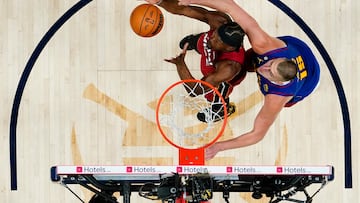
pixel 260 41
pixel 273 104
pixel 181 67
pixel 230 7
pixel 212 18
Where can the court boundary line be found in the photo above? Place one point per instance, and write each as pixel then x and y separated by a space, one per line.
pixel 24 77
pixel 69 13
pixel 337 81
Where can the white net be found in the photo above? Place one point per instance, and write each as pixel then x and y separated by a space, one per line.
pixel 187 117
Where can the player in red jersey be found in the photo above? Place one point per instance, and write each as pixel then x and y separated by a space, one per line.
pixel 221 50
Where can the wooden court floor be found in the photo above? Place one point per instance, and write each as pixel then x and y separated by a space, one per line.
pixel 91 95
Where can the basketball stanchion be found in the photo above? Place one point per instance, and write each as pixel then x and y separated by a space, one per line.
pixel 194 184
pixel 191 115
pixel 177 118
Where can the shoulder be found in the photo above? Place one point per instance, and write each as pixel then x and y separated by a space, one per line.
pixel 266 44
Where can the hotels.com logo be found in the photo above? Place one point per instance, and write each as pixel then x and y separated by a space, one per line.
pixel 291 170
pixel 79 169
pixel 191 169
pixel 92 169
pixel 140 169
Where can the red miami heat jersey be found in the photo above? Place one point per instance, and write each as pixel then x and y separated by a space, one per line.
pixel 209 57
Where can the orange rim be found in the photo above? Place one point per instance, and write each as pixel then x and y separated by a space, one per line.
pixel 222 129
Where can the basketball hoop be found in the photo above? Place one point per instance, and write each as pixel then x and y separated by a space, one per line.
pixel 177 115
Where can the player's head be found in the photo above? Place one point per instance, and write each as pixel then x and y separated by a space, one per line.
pixel 278 70
pixel 230 35
pixel 287 69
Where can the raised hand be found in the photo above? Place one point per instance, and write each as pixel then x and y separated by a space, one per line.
pixel 180 59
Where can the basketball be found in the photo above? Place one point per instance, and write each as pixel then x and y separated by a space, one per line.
pixel 146 20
